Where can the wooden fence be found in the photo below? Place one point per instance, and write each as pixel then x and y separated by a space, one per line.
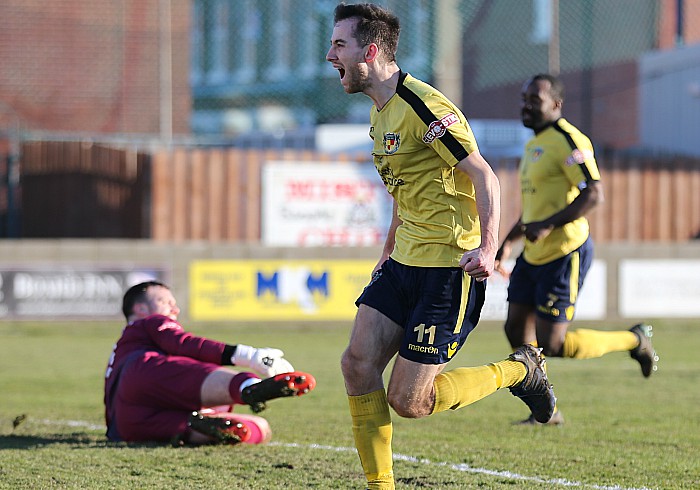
pixel 5 193
pixel 77 189
pixel 84 190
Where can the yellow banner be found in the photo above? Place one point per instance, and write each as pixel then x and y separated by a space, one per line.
pixel 225 290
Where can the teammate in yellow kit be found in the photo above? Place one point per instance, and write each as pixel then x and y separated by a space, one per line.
pixel 560 183
pixel 427 290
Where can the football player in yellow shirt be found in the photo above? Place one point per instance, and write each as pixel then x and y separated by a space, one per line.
pixel 560 183
pixel 428 287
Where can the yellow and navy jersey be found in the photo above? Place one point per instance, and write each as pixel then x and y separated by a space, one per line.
pixel 419 136
pixel 558 162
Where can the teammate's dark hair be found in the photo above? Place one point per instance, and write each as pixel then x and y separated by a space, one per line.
pixel 137 294
pixel 557 86
pixel 375 25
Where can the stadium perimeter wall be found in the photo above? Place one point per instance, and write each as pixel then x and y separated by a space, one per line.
pixel 632 281
pixel 85 189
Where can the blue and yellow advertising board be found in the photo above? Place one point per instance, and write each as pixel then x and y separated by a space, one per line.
pixel 252 290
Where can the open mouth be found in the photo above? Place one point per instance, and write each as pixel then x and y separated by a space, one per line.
pixel 342 73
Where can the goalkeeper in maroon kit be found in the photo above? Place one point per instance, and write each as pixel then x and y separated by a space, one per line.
pixel 165 384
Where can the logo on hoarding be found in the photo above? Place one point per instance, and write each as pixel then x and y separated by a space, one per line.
pixel 67 292
pixel 293 285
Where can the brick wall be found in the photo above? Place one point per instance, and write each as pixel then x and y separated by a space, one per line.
pixel 76 66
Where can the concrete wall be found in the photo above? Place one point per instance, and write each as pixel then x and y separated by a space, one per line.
pixel 176 259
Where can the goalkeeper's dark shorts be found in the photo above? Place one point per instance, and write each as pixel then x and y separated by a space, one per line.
pixel 436 306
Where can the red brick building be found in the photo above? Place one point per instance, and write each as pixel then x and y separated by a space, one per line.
pixel 600 45
pixel 95 67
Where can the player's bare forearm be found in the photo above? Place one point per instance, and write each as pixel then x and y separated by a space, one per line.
pixel 504 251
pixel 589 198
pixel 515 233
pixel 488 204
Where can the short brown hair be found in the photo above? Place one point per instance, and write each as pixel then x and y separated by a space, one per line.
pixel 375 25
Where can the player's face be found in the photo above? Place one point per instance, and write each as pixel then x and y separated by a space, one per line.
pixel 538 108
pixel 348 57
pixel 162 302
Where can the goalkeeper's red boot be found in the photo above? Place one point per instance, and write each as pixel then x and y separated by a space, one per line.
pixel 286 384
pixel 223 430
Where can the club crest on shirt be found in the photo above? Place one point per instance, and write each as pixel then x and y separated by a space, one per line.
pixel 536 153
pixel 437 129
pixel 392 141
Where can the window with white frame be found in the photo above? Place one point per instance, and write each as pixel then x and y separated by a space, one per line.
pixel 541 31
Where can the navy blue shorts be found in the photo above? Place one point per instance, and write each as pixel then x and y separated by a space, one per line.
pixel 551 288
pixel 436 306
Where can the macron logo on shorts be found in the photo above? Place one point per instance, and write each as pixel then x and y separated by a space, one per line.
pixel 437 129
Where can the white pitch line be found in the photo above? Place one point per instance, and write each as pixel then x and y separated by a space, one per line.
pixel 463 467
pixel 470 469
pixel 72 423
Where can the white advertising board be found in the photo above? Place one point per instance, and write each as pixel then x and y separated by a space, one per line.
pixel 68 292
pixel 591 304
pixel 659 288
pixel 323 204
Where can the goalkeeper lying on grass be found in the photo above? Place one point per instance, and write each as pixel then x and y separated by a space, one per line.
pixel 165 384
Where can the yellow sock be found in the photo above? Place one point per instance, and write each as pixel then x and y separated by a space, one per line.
pixel 371 426
pixel 463 386
pixel 587 344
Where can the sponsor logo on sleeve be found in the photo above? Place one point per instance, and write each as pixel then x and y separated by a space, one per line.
pixel 577 157
pixel 437 129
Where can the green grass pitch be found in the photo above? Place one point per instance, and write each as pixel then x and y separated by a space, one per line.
pixel 622 431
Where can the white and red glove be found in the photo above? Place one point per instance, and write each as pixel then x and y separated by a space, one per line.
pixel 265 361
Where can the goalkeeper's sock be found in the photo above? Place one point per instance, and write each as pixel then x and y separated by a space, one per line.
pixel 464 386
pixel 584 343
pixel 372 428
pixel 238 383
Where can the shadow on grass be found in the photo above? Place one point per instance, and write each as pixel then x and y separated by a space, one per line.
pixel 75 440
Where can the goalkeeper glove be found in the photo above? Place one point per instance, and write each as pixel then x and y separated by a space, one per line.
pixel 264 361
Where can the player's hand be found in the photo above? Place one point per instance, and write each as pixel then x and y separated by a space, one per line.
pixel 501 256
pixel 265 361
pixel 477 263
pixel 536 231
pixel 379 265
